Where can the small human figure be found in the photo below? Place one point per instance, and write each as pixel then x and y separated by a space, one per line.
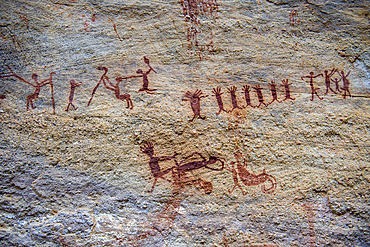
pixel 273 92
pixel 217 94
pixel 1 98
pixel 145 77
pixel 313 89
pixel 345 87
pixel 157 173
pixel 260 96
pixel 336 82
pixel 234 101
pixel 327 80
pixel 116 90
pixel 74 84
pixel 195 102
pixel 287 90
pixel 38 85
pixel 235 178
pixel 247 96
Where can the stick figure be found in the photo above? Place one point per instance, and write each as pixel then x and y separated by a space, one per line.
pixel 327 79
pixel 260 96
pixel 195 102
pixel 336 82
pixel 313 89
pixel 145 77
pixel 345 83
pixel 247 96
pixel 74 84
pixel 273 92
pixel 116 90
pixel 148 149
pixel 217 94
pixel 38 85
pixel 287 90
pixel 234 101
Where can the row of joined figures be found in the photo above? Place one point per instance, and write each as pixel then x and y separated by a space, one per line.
pixel 191 163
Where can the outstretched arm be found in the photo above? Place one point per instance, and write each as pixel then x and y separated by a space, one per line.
pixel 348 73
pixel 16 76
pixel 317 75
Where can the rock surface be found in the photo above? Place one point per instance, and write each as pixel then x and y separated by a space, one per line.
pixel 83 177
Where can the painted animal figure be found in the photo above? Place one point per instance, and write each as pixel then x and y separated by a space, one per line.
pixel 247 96
pixel 195 102
pixel 217 94
pixel 234 101
pixel 249 179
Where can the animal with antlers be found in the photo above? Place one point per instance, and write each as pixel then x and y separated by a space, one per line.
pixel 195 102
pixel 74 84
pixel 249 179
pixel 217 94
pixel 246 90
pixel 38 85
pixel 287 89
pixel 234 101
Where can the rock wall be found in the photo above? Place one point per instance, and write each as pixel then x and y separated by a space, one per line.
pixel 190 123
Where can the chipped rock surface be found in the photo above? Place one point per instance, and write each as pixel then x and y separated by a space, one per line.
pixel 283 165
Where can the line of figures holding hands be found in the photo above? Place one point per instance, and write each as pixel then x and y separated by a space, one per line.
pixel 193 98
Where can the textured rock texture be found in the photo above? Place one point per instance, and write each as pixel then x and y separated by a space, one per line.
pixel 83 177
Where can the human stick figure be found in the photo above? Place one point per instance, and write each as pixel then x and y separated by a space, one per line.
pixel 38 85
pixel 247 96
pixel 217 94
pixel 336 82
pixel 157 173
pixel 117 93
pixel 258 89
pixel 345 87
pixel 74 84
pixel 313 89
pixel 273 92
pixel 287 89
pixel 234 101
pixel 145 77
pixel 327 79
pixel 194 99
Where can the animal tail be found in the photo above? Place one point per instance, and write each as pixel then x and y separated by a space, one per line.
pixel 273 185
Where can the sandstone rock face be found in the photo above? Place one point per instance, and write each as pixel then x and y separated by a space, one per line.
pixel 210 151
